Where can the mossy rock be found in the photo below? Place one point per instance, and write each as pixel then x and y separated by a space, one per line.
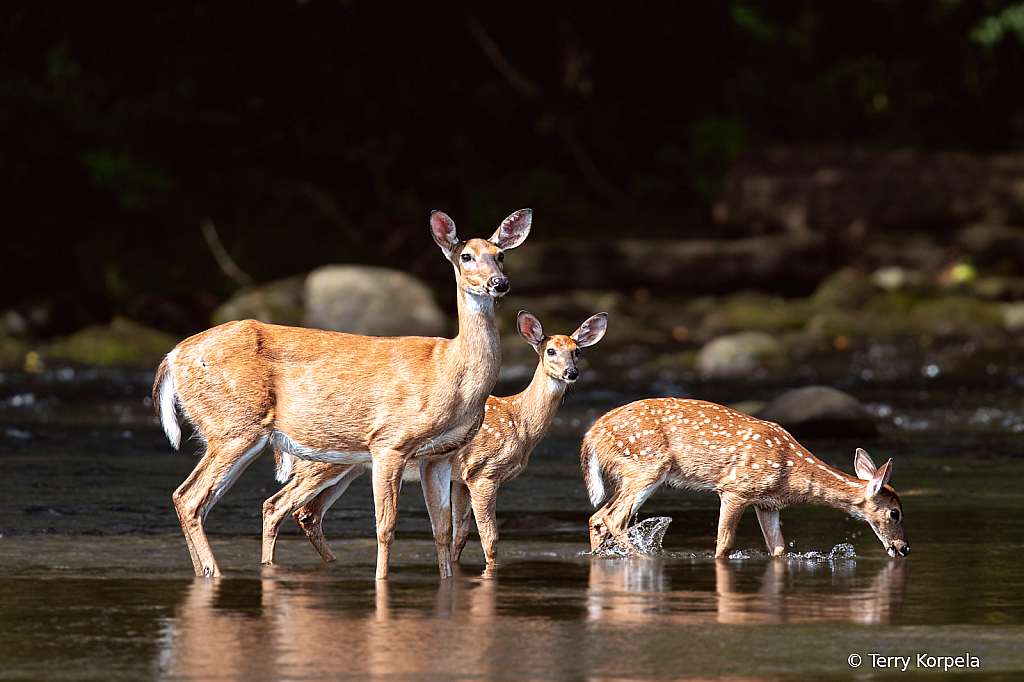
pixel 845 289
pixel 958 316
pixel 121 343
pixel 899 302
pixel 277 302
pixel 770 315
pixel 12 353
pixel 683 360
pixel 834 323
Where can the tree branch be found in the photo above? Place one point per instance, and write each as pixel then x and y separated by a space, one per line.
pixel 227 265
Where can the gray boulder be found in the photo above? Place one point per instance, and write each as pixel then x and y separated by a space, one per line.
pixel 361 299
pixel 820 412
pixel 734 355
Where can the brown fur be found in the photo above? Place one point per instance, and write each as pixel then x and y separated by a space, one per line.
pixel 499 452
pixel 695 444
pixel 386 400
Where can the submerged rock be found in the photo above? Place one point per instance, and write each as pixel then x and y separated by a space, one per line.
pixel 820 412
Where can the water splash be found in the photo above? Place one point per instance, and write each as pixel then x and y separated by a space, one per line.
pixel 841 552
pixel 642 539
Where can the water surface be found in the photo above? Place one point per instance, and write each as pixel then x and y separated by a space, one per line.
pixel 98 583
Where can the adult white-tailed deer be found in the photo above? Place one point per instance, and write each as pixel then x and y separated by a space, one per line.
pixel 334 397
pixel 500 451
pixel 703 446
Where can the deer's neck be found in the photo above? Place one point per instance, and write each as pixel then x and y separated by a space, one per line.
pixel 834 488
pixel 476 344
pixel 536 406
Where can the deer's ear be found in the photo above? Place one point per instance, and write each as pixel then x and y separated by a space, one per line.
pixel 530 329
pixel 591 331
pixel 443 229
pixel 880 478
pixel 513 230
pixel 863 465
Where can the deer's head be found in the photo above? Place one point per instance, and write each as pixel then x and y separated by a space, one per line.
pixel 558 353
pixel 881 506
pixel 478 262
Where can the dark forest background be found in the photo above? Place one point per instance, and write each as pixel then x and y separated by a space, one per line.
pixel 325 131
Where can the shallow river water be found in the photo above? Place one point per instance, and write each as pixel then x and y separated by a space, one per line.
pixel 97 581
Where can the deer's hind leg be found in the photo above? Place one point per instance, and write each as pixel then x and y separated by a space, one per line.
pixel 769 520
pixel 219 468
pixel 615 516
pixel 461 514
pixel 310 492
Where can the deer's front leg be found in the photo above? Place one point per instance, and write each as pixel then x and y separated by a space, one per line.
pixel 728 518
pixel 769 520
pixel 436 480
pixel 388 466
pixel 484 494
pixel 460 518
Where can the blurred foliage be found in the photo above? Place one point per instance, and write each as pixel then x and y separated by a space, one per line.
pixel 991 29
pixel 321 131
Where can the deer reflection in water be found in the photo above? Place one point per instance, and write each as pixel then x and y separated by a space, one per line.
pixel 279 629
pixel 631 589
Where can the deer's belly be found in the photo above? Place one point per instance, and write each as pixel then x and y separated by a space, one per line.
pixel 285 443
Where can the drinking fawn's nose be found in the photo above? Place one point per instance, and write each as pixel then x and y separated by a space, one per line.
pixel 572 374
pixel 499 284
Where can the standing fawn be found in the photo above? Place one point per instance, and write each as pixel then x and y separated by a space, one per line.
pixel 512 428
pixel 343 398
pixel 703 446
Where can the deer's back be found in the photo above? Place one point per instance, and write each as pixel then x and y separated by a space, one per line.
pixel 696 444
pixel 326 390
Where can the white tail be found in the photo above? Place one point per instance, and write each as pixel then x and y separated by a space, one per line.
pixel 499 452
pixel 695 444
pixel 333 397
pixel 167 395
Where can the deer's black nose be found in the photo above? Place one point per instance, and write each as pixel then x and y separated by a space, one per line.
pixel 499 283
pixel 572 374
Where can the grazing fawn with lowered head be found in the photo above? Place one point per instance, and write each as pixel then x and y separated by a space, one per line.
pixel 747 461
pixel 500 451
pixel 342 398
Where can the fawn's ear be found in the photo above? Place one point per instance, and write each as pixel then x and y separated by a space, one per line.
pixel 443 229
pixel 530 329
pixel 863 465
pixel 513 230
pixel 880 478
pixel 591 331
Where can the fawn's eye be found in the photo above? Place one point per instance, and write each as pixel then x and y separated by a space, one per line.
pixel 551 352
pixel 466 258
pixel 501 258
pixel 894 514
pixel 576 353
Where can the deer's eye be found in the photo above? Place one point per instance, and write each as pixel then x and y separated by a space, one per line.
pixel 466 258
pixel 576 353
pixel 551 352
pixel 501 258
pixel 894 514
